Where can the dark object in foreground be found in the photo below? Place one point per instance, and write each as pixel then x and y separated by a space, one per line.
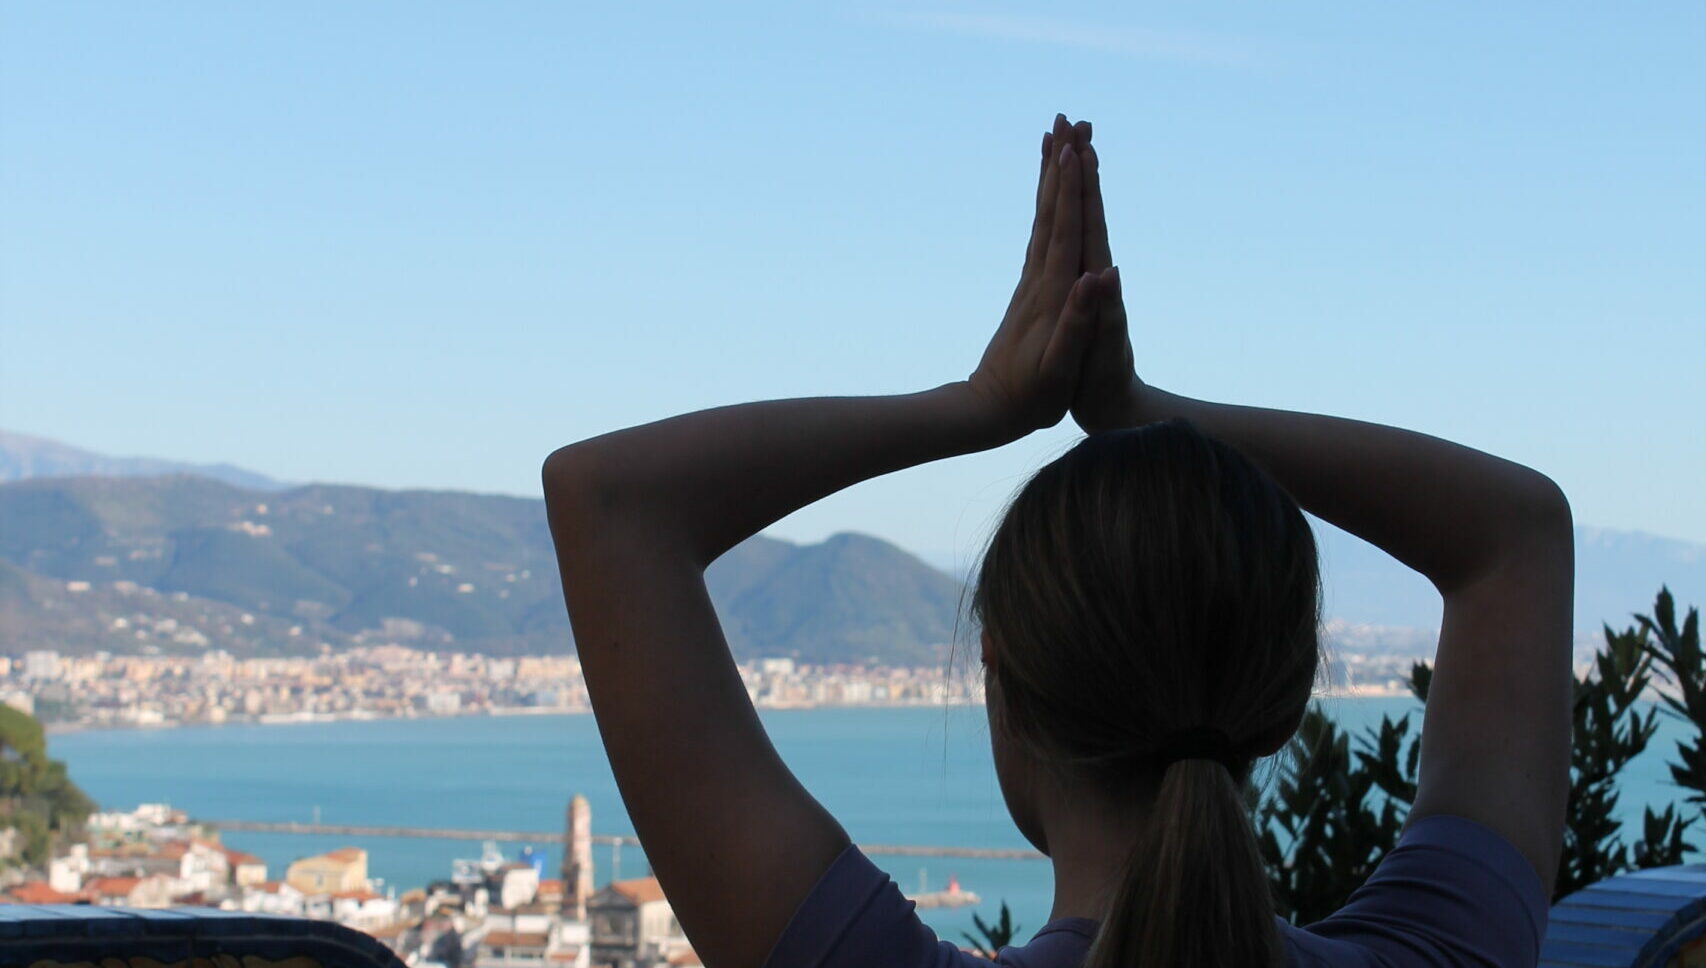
pixel 75 935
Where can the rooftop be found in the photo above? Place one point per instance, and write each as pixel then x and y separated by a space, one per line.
pixel 640 890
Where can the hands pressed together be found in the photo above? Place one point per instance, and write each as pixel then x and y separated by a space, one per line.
pixel 1063 344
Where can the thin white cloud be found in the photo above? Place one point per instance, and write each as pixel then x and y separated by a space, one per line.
pixel 1149 44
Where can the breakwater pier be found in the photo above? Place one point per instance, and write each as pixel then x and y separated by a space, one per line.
pixel 543 837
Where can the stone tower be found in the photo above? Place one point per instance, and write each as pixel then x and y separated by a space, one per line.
pixel 577 857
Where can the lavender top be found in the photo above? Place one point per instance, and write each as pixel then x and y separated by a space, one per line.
pixel 1452 892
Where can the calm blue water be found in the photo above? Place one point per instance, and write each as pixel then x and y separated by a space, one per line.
pixel 899 776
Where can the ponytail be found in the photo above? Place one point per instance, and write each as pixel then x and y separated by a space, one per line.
pixel 1150 607
pixel 1193 893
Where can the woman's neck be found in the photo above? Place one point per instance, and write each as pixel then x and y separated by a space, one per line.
pixel 1089 839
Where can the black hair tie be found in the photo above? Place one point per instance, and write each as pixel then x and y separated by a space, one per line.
pixel 1197 743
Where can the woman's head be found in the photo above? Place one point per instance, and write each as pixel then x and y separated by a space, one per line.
pixel 1147 581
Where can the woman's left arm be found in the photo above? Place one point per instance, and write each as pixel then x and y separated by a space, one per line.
pixel 636 517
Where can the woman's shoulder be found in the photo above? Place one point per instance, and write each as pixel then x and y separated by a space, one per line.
pixel 1450 886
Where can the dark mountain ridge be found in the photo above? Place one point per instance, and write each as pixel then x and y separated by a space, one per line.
pixel 436 568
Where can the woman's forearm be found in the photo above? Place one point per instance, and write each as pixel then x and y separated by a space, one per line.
pixel 705 481
pixel 1448 511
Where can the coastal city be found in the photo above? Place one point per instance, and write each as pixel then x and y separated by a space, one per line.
pixel 381 682
pixel 105 690
pixel 489 911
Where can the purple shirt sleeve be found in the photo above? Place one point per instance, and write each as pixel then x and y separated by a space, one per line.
pixel 856 917
pixel 1450 893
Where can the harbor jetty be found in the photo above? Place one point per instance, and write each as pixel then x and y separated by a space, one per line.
pixel 545 837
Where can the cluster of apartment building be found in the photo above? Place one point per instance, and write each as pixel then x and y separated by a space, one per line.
pixel 391 681
pixel 490 912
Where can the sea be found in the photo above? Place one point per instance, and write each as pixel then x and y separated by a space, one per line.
pixel 915 775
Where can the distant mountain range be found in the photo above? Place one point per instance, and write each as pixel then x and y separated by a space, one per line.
pixel 23 456
pixel 105 553
pixel 1617 573
pixel 347 565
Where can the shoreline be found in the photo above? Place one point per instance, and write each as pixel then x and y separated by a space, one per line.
pixel 363 716
pixel 310 719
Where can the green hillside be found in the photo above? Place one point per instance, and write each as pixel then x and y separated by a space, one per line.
pixel 347 565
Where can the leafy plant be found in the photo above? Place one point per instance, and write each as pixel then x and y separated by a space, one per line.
pixel 1608 733
pixel 1317 832
pixel 36 797
pixel 1333 836
pixel 1682 667
pixel 994 936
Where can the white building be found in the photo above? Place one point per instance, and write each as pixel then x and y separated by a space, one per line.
pixel 272 897
pixel 517 884
pixel 66 874
pixel 41 664
pixel 532 940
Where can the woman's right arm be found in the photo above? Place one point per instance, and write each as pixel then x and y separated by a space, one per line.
pixel 1493 536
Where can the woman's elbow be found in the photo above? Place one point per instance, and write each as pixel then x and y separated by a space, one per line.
pixel 1538 525
pixel 1548 508
pixel 574 484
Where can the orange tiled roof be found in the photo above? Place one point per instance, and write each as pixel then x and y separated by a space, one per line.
pixel 640 890
pixel 348 855
pixel 38 892
pixel 551 884
pixel 357 895
pixel 111 886
pixel 514 939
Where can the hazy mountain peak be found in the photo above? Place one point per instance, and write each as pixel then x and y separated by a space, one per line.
pixel 24 456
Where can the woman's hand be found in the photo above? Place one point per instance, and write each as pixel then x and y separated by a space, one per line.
pixel 1029 373
pixel 1108 386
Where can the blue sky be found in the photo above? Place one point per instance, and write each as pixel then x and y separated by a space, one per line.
pixel 421 245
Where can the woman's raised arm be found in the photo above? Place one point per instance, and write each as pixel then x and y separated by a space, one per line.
pixel 1494 537
pixel 636 517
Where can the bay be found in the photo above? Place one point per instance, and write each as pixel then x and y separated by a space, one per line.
pixel 892 776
